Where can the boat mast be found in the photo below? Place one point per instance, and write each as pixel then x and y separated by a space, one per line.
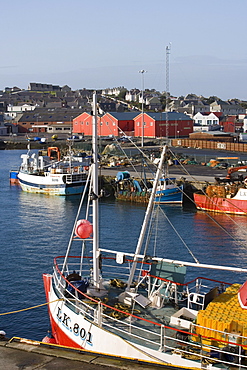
pixel 94 196
pixel 147 218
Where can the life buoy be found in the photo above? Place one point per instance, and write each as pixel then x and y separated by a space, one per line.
pixel 75 169
pixel 86 168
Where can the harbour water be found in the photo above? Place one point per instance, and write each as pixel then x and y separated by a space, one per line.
pixel 36 228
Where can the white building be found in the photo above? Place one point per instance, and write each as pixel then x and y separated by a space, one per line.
pixel 13 110
pixel 245 124
pixel 205 119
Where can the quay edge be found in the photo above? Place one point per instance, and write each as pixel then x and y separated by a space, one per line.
pixel 22 352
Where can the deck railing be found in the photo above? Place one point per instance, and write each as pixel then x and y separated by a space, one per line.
pixel 145 332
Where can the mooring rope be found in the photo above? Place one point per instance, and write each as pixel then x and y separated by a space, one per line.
pixel 29 308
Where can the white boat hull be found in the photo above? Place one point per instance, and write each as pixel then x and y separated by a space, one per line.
pixel 55 184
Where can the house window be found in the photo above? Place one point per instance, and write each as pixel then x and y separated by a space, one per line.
pixel 151 123
pixel 107 123
pixel 87 123
pixel 45 123
pixel 58 128
pixel 24 123
pixel 31 123
pixel 138 123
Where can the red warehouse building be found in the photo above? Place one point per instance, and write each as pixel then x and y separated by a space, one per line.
pixel 112 123
pixel 171 124
pixel 82 124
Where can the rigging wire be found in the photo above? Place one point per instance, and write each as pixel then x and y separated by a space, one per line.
pixel 179 236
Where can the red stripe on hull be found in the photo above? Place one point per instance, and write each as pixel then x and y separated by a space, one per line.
pixel 60 337
pixel 221 205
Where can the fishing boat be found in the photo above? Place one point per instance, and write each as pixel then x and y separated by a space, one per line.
pixel 135 190
pixel 227 195
pixel 52 175
pixel 138 306
pixel 13 177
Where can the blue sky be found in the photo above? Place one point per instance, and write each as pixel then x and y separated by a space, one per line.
pixel 99 44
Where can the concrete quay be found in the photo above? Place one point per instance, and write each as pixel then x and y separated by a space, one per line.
pixel 192 173
pixel 23 354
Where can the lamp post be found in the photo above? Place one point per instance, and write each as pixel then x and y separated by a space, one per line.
pixel 142 71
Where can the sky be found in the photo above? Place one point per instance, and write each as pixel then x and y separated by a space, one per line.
pixel 102 44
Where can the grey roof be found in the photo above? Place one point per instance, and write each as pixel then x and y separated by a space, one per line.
pixel 170 116
pixel 61 115
pixel 123 116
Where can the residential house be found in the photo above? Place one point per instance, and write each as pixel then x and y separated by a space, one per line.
pixel 206 121
pixel 245 124
pixel 132 95
pixel 12 89
pixel 227 108
pixel 33 86
pixel 12 110
pixel 153 103
pixel 114 91
pixel 65 88
pixel 189 108
pixel 107 106
pixel 47 120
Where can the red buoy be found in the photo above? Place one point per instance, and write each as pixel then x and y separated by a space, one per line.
pixel 83 229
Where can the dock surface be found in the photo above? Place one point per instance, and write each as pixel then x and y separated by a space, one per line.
pixel 23 354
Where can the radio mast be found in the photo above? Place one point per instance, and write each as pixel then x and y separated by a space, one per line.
pixel 168 50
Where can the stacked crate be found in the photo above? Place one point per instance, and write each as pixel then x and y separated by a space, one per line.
pixel 223 315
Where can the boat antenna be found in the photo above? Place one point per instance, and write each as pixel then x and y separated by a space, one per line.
pixel 146 218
